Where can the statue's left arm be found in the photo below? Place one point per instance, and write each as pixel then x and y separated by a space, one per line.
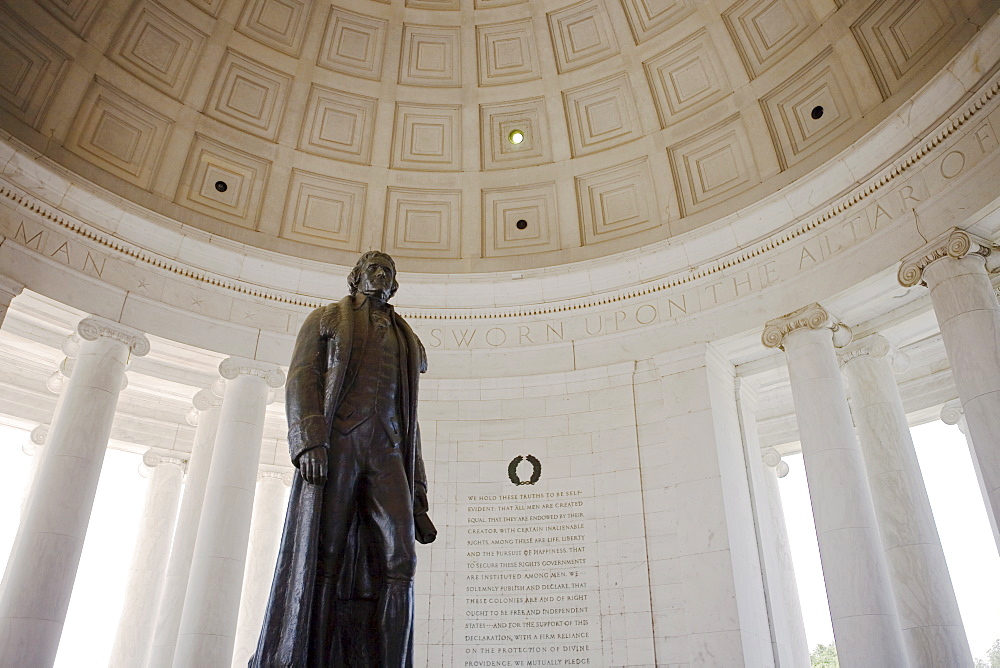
pixel 307 426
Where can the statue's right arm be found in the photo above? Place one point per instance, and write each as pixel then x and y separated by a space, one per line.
pixel 307 428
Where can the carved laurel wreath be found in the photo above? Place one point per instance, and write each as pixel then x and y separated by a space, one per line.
pixel 536 470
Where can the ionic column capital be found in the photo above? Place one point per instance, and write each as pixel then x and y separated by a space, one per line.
pixel 954 243
pixel 772 459
pixel 233 367
pixel 812 316
pixel 153 458
pixel 874 346
pixel 94 327
pixel 269 474
pixel 952 413
pixel 36 439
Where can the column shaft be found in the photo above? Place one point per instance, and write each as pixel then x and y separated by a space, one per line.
pixel 152 547
pixel 968 316
pixel 211 603
pixel 168 618
pixel 928 610
pixel 862 608
pixel 951 413
pixel 46 554
pixel 787 627
pixel 265 536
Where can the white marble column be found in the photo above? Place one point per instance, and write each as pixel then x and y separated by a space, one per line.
pixel 953 267
pixel 211 604
pixel 262 554
pixel 46 552
pixel 206 409
pixel 862 608
pixel 951 413
pixel 8 290
pixel 149 560
pixel 788 632
pixel 928 610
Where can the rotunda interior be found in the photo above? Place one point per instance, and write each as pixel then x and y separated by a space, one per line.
pixel 651 247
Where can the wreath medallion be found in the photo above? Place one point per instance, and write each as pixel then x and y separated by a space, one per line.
pixel 536 470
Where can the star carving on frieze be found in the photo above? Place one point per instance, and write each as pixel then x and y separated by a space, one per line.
pixel 248 315
pixel 143 285
pixel 195 302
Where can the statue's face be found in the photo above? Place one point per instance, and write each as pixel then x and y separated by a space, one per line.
pixel 376 279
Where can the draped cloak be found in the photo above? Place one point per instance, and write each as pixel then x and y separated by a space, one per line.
pixel 315 385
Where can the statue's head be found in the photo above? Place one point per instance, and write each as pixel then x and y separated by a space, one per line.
pixel 374 275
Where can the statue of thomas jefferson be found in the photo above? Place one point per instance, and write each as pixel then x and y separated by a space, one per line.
pixel 342 593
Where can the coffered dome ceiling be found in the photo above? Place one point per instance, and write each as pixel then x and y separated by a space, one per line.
pixel 318 130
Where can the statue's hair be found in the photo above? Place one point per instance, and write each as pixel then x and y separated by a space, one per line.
pixel 355 276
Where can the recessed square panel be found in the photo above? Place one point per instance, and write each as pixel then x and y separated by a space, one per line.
pixel 616 202
pixel 766 30
pixel 498 121
pixel 601 115
pixel 506 53
pixel 353 44
pixel 686 78
pixel 223 182
pixel 428 136
pixel 815 105
pixel 648 18
pixel 430 56
pixel 118 134
pixel 249 95
pixel 423 223
pixel 338 125
pixel 324 210
pixel 31 67
pixel 520 220
pixel 898 36
pixel 280 24
pixel 713 165
pixel 158 47
pixel 581 35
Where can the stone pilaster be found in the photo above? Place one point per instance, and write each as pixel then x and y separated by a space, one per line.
pixel 46 553
pixel 149 560
pixel 862 608
pixel 211 603
pixel 928 609
pixel 8 290
pixel 954 269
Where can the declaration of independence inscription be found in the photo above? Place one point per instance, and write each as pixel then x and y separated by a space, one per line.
pixel 529 595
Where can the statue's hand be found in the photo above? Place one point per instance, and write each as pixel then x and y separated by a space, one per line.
pixel 313 466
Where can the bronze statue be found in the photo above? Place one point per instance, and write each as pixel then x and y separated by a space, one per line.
pixel 342 593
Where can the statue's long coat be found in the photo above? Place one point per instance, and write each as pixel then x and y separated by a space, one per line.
pixel 313 391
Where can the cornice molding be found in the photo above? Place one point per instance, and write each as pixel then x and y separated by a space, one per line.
pixel 232 367
pixel 812 316
pixel 94 327
pixel 954 243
